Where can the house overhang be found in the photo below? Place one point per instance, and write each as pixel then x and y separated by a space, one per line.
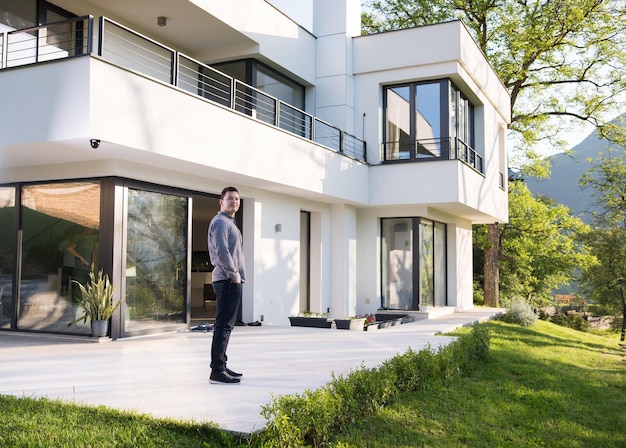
pixel 449 186
pixel 150 128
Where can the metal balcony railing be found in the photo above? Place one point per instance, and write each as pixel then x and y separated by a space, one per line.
pixel 58 40
pixel 433 149
pixel 126 48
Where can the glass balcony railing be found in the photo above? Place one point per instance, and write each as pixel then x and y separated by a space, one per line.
pixel 128 49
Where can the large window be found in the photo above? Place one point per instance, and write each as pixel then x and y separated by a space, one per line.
pixel 426 120
pixel 156 260
pixel 266 80
pixel 414 263
pixel 7 252
pixel 59 245
pixel 56 41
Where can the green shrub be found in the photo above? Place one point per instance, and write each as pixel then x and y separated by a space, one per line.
pixel 616 324
pixel 464 354
pixel 302 419
pixel 311 418
pixel 413 370
pixel 364 391
pixel 520 313
pixel 574 321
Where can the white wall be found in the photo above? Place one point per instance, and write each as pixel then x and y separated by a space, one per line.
pixel 37 111
pixel 336 22
pixel 460 266
pixel 456 56
pixel 449 186
pixel 281 41
pixel 273 258
pixel 301 11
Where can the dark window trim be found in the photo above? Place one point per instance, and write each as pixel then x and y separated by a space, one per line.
pixel 251 68
pixel 44 6
pixel 447 89
pixel 416 221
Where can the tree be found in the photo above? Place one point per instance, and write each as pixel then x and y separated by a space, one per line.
pixel 605 281
pixel 538 248
pixel 561 60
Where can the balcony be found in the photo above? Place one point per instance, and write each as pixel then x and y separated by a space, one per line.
pixel 130 50
pixel 433 149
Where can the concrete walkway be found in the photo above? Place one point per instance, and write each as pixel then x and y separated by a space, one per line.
pixel 167 375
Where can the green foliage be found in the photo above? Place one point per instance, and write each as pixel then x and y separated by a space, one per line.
pixel 571 320
pixel 520 313
pixel 96 302
pixel 413 370
pixel 540 386
pixel 311 314
pixel 311 418
pixel 607 179
pixel 28 422
pixel 605 281
pixel 539 247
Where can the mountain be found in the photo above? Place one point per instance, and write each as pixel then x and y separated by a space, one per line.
pixel 567 169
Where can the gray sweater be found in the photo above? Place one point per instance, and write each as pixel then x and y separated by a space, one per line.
pixel 225 249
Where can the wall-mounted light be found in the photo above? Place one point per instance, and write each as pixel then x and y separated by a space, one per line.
pixel 278 228
pixel 161 21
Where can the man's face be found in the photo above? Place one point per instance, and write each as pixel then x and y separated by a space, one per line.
pixel 230 203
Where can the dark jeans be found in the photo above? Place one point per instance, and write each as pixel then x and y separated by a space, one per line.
pixel 228 296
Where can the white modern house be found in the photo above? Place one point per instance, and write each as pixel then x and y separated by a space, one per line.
pixel 362 161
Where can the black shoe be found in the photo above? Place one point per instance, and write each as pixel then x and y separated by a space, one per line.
pixel 222 378
pixel 233 374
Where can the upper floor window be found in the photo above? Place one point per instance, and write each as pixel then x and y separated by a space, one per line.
pixel 426 120
pixel 266 79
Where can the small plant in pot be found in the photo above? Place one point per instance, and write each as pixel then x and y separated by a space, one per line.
pixel 351 323
pixel 311 319
pixel 96 302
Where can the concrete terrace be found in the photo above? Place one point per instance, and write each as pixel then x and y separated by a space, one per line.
pixel 167 375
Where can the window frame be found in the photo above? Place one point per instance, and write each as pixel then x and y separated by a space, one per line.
pixel 455 111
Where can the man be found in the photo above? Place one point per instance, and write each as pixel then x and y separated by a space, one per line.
pixel 225 250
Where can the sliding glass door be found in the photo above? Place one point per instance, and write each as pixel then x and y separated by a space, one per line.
pixel 413 263
pixel 156 260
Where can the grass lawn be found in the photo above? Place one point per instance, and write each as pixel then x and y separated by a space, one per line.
pixel 541 386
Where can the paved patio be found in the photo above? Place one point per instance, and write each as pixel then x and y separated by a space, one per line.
pixel 167 375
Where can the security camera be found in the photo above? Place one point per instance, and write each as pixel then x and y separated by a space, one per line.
pixel 95 143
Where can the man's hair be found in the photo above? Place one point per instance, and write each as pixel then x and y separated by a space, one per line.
pixel 227 189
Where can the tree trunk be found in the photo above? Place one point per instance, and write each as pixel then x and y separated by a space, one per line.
pixel 621 290
pixel 492 269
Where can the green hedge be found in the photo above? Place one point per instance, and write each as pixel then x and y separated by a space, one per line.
pixel 311 418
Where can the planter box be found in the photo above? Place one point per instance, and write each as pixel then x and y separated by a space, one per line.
pixel 372 327
pixel 313 322
pixel 389 323
pixel 350 324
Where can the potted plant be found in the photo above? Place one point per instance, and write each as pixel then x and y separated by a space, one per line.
pixel 96 302
pixel 352 323
pixel 311 319
pixel 370 322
